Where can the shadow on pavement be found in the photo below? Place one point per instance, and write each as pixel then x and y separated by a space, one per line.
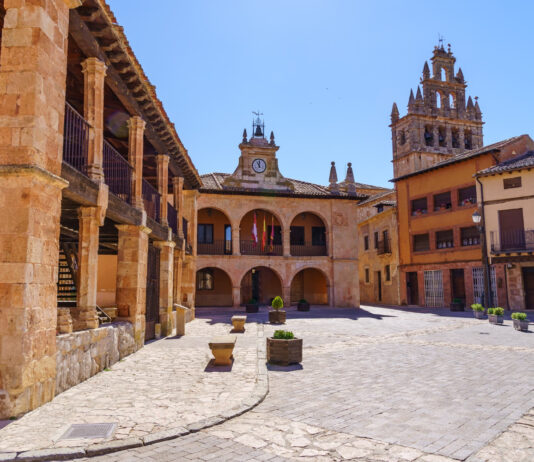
pixel 278 368
pixel 213 368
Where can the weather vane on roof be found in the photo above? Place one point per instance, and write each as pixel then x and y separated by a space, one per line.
pixel 440 40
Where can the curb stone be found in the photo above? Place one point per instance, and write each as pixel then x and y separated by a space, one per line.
pixel 261 388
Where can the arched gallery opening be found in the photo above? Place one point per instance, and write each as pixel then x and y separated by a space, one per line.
pixel 263 239
pixel 213 288
pixel 308 235
pixel 214 233
pixel 261 284
pixel 311 285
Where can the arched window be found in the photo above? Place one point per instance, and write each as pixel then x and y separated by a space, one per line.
pixel 442 136
pixel 402 139
pixel 452 102
pixel 429 136
pixel 438 99
pixel 468 140
pixel 443 74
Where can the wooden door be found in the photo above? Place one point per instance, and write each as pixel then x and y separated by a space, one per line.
pixel 152 292
pixel 511 229
pixel 412 288
pixel 458 284
pixel 528 285
pixel 379 286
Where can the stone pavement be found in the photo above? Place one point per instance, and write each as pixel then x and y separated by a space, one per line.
pixel 380 384
pixel 169 384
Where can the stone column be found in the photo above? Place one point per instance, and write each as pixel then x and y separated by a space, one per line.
pixel 177 189
pixel 136 127
pixel 131 278
pixel 163 186
pixel 178 264
pixel 33 73
pixel 94 72
pixel 461 137
pixel 286 242
pixel 236 296
pixel 448 137
pixel 236 240
pixel 84 316
pixel 286 296
pixel 166 263
pixel 435 137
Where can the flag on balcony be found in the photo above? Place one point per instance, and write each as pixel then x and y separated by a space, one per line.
pixel 264 235
pixel 255 231
pixel 272 233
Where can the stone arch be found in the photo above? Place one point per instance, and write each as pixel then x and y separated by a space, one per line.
pixel 262 283
pixel 312 284
pixel 273 246
pixel 214 231
pixel 219 293
pixel 304 239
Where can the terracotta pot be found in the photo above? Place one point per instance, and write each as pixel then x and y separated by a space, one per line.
pixel 303 307
pixel 252 307
pixel 284 352
pixel 277 317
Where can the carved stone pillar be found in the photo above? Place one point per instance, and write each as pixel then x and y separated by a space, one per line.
pixel 178 267
pixel 136 127
pixel 166 263
pixel 163 186
pixel 177 189
pixel 286 296
pixel 286 241
pixel 94 72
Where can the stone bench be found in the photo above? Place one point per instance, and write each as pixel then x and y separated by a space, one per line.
pixel 238 322
pixel 222 348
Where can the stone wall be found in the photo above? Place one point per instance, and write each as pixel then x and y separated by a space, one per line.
pixel 80 355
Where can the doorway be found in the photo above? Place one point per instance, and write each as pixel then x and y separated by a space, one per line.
pixel 528 286
pixel 458 284
pixel 379 286
pixel 255 284
pixel 152 292
pixel 412 288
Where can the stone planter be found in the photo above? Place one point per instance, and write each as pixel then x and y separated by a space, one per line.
pixel 521 325
pixel 457 306
pixel 284 352
pixel 479 314
pixel 277 317
pixel 303 307
pixel 252 307
pixel 494 319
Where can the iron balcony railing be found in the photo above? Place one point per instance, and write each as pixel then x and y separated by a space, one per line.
pixel 151 200
pixel 384 247
pixel 308 250
pixel 117 173
pixel 172 218
pixel 252 248
pixel 520 240
pixel 75 139
pixel 217 247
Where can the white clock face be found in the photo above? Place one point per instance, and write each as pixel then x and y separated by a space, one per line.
pixel 259 165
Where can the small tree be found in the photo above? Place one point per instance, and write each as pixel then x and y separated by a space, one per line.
pixel 277 303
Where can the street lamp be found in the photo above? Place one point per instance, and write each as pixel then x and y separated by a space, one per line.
pixel 478 221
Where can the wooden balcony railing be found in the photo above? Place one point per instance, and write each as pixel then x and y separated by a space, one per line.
pixel 384 247
pixel 172 218
pixel 151 200
pixel 253 248
pixel 520 240
pixel 217 247
pixel 308 250
pixel 117 173
pixel 75 139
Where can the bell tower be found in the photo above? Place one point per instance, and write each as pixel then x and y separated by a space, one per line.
pixel 439 123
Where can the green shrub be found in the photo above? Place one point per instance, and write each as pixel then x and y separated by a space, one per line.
pixel 283 334
pixel 277 303
pixel 252 301
pixel 519 316
pixel 477 307
pixel 498 311
pixel 303 300
pixel 491 310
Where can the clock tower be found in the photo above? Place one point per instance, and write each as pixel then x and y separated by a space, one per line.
pixel 258 165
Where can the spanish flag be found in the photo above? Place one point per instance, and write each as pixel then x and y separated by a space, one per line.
pixel 264 235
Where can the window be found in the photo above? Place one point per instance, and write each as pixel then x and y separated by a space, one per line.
pixel 509 183
pixel 365 242
pixel 467 196
pixel 205 279
pixel 318 235
pixel 387 270
pixel 376 239
pixel 442 137
pixel 205 234
pixel 379 208
pixel 468 140
pixel 402 137
pixel 429 136
pixel 385 241
pixel 421 242
pixel 442 201
pixel 478 285
pixel 367 275
pixel 419 206
pixel 296 236
pixel 469 236
pixel 433 288
pixel 444 239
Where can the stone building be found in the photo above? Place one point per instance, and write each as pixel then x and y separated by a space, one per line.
pixel 505 194
pixel 97 188
pixel 261 235
pixel 378 241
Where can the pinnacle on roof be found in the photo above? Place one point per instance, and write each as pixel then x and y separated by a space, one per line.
pixel 426 71
pixel 244 135
pixel 411 100
pixel 272 138
pixel 419 97
pixel 470 105
pixel 478 112
pixel 394 113
pixel 460 75
pixel 332 179
pixel 350 174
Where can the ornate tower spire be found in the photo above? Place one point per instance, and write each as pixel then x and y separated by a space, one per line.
pixel 426 71
pixel 245 139
pixel 394 113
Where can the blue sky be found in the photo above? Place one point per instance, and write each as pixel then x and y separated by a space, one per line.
pixel 324 73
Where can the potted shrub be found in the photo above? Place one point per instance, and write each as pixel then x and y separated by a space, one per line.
pixel 277 315
pixel 303 305
pixel 478 310
pixel 520 321
pixel 457 304
pixel 283 348
pixel 496 315
pixel 252 306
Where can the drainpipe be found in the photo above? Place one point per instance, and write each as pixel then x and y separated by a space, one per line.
pixel 485 264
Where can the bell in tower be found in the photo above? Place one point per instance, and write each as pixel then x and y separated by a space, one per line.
pixel 258 126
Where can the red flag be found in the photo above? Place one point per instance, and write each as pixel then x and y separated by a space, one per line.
pixel 272 232
pixel 264 235
pixel 255 231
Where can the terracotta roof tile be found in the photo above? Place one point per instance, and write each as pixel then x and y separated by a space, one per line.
pixel 517 163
